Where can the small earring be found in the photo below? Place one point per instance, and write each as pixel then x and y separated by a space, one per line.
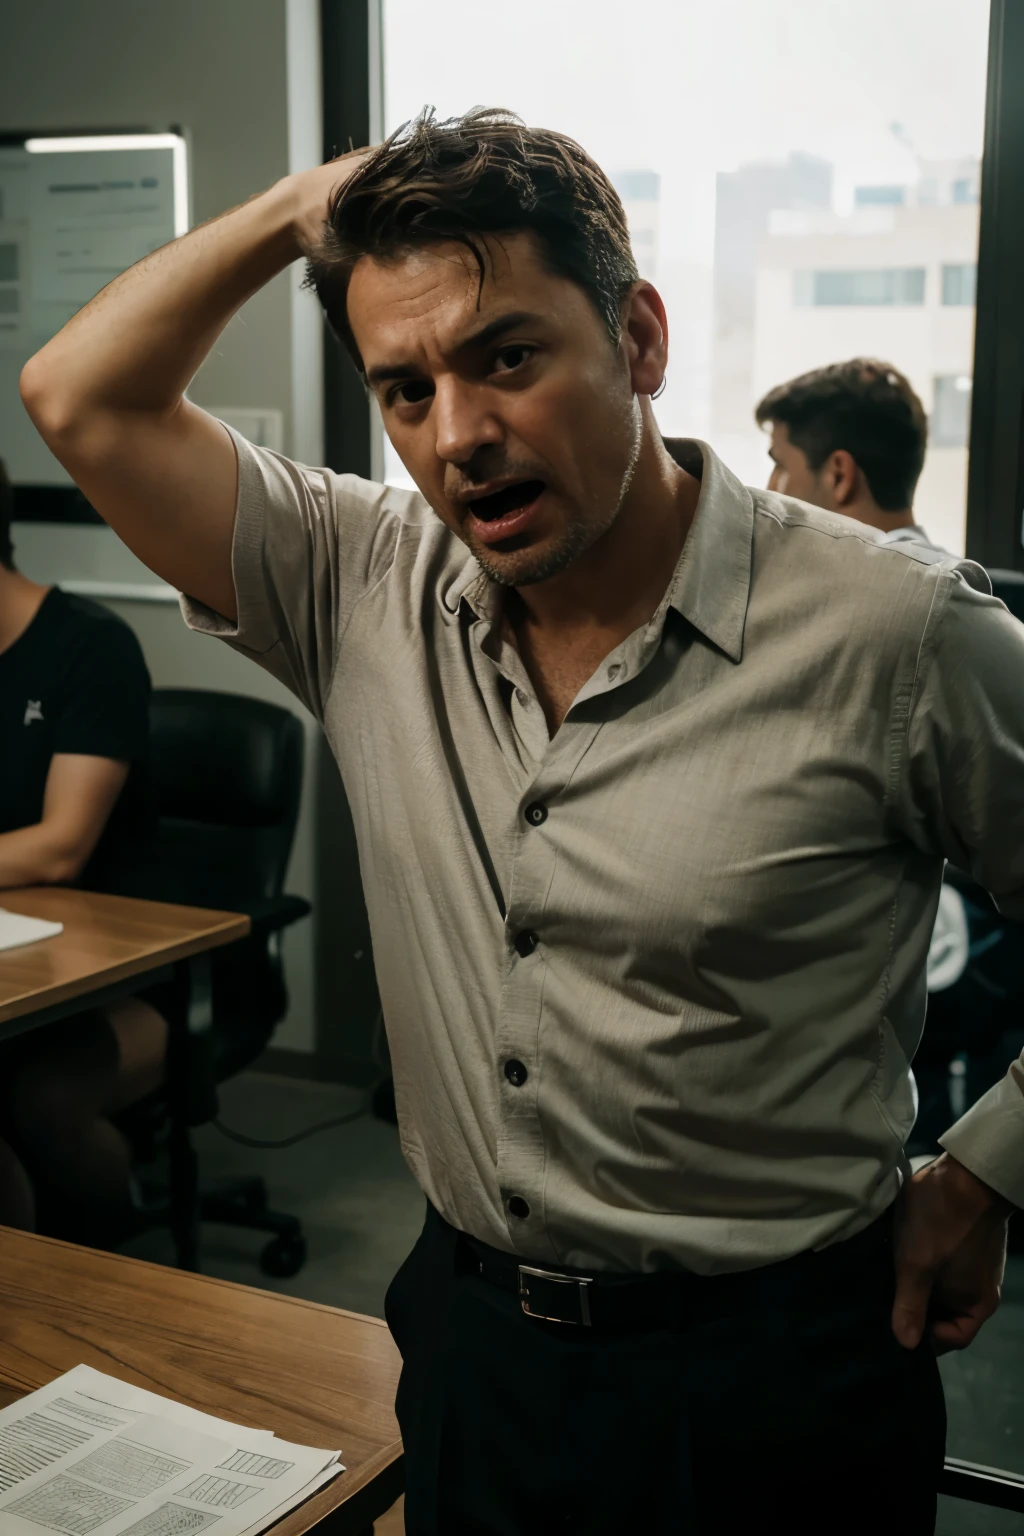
pixel 661 387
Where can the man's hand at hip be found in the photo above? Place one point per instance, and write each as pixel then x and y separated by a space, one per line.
pixel 950 1256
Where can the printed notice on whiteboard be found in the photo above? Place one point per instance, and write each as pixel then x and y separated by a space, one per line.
pixel 90 1454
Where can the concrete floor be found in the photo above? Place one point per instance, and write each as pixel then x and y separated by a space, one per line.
pixel 361 1213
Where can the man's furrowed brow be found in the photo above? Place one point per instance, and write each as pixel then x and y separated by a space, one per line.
pixel 498 327
pixel 389 373
pixel 487 335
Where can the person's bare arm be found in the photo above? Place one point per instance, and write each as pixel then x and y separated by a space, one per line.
pixel 79 796
pixel 106 394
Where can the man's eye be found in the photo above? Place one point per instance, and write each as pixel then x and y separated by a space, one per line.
pixel 510 358
pixel 411 393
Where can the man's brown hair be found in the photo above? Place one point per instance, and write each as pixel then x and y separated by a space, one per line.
pixel 466 178
pixel 865 407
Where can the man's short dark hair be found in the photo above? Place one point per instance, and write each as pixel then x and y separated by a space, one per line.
pixel 481 174
pixel 865 407
pixel 6 518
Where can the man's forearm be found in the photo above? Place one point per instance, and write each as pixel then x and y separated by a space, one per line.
pixel 137 344
pixel 107 393
pixel 37 855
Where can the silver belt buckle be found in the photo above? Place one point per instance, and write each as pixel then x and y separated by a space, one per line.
pixel 580 1281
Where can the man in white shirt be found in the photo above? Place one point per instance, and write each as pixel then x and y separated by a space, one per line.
pixel 851 438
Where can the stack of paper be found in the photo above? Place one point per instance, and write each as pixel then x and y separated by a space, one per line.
pixel 90 1453
pixel 16 929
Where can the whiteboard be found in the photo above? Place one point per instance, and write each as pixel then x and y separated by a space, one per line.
pixel 74 213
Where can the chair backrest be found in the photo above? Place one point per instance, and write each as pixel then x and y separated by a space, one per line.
pixel 226 779
pixel 1009 586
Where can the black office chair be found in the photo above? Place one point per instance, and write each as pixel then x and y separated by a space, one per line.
pixel 227 778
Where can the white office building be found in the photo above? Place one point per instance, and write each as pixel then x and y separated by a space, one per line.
pixel 893 279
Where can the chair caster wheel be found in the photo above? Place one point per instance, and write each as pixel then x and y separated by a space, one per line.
pixel 283 1257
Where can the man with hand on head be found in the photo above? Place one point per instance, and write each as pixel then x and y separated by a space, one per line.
pixel 653 778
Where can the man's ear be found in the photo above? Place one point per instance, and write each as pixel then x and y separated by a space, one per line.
pixel 645 337
pixel 842 477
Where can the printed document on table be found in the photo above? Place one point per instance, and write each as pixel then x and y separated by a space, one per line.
pixel 77 1462
pixel 16 929
pixel 121 1394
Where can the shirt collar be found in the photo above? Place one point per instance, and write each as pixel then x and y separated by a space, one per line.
pixel 710 586
pixel 472 586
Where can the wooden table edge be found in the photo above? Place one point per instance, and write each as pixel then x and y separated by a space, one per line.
pixel 348 1485
pixel 233 926
pixel 323 1504
pixel 215 1280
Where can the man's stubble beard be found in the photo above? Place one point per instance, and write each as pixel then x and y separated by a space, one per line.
pixel 578 537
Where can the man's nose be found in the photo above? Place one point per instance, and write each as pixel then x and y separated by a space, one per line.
pixel 464 421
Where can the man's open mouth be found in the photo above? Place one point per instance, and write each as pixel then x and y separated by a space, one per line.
pixel 509 499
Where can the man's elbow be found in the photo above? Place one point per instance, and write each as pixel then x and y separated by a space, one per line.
pixel 61 865
pixel 49 412
pixel 68 425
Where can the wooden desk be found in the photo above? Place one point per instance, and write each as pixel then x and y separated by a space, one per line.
pixel 313 1374
pixel 112 946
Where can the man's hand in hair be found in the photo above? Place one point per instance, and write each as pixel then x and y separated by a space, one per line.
pixel 313 191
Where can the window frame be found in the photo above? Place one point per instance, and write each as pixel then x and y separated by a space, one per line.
pixel 995 477
pixel 347 81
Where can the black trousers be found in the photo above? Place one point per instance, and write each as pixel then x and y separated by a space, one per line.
pixel 781 1403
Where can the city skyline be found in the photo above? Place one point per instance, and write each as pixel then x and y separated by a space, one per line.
pixel 869 87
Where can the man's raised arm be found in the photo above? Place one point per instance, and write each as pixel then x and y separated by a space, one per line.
pixel 107 393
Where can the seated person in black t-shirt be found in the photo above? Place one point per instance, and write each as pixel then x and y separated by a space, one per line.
pixel 74 722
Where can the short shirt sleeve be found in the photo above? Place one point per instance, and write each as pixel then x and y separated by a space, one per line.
pixel 967 785
pixel 104 710
pixel 966 739
pixel 308 545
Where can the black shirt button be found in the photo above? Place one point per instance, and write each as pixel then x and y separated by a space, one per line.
pixel 536 813
pixel 516 1073
pixel 526 942
pixel 518 1207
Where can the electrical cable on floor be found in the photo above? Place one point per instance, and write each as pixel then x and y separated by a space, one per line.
pixel 364 1108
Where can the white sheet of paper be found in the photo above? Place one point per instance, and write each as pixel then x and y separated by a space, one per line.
pixel 121 1394
pixel 16 929
pixel 74 1461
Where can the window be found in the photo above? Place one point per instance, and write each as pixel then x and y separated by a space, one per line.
pixel 867 197
pixel 959 281
pixel 884 285
pixel 784 228
pixel 951 414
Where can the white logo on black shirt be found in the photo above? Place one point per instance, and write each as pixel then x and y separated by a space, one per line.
pixel 33 710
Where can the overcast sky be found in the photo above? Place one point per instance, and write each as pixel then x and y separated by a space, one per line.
pixel 689 88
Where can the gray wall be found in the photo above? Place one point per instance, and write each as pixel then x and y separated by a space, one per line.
pixel 217 68
pixel 241 79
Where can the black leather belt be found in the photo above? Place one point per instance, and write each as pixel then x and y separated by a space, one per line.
pixel 672 1300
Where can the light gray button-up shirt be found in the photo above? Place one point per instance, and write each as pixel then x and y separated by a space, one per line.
pixel 706 949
